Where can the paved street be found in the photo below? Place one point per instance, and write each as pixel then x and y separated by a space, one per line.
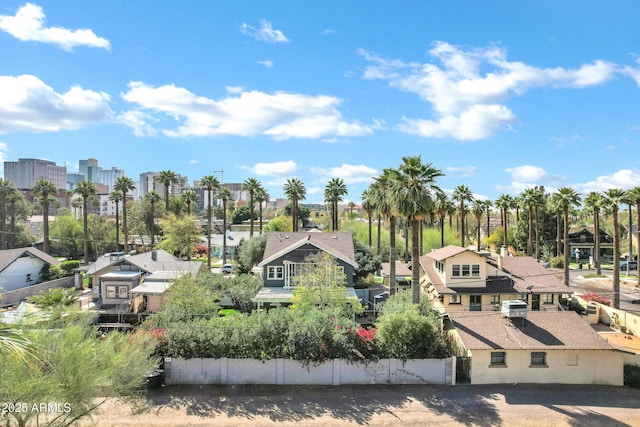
pixel 628 291
pixel 508 405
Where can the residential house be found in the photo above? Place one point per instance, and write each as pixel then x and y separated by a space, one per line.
pixel 552 347
pixel 285 257
pixel 582 242
pixel 461 279
pixel 403 274
pixel 150 295
pixel 143 264
pixel 22 267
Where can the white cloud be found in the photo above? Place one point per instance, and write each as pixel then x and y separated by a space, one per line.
pixel 3 154
pixel 284 168
pixel 463 171
pixel 28 25
pixel 265 33
pixel 267 63
pixel 624 178
pixel 467 89
pixel 249 113
pixel 138 121
pixel 528 173
pixel 193 162
pixel 28 104
pixel 527 176
pixel 352 174
pixel 235 89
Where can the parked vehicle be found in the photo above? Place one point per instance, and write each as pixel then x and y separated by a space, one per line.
pixel 226 268
pixel 633 265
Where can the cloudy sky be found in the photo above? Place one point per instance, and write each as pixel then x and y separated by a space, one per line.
pixel 500 96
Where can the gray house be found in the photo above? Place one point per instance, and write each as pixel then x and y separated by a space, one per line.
pixel 284 258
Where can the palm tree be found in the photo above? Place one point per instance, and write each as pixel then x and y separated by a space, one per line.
pixel 414 194
pixel 152 197
pixel 567 197
pixel 6 189
pixel 486 204
pixel 333 192
pixel 462 194
pixel 368 207
pixel 634 195
pixel 252 186
pixel 115 197
pixel 85 189
pixel 167 177
pixel 225 195
pixel 124 184
pixel 443 205
pixel 13 198
pixel 528 199
pixel 261 196
pixel 478 209
pixel 630 201
pixel 45 189
pixel 189 196
pixel 593 202
pixel 612 200
pixel 210 182
pixel 295 191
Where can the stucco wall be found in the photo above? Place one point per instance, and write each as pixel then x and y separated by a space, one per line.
pixel 13 297
pixel 563 367
pixel 15 275
pixel 470 258
pixel 290 372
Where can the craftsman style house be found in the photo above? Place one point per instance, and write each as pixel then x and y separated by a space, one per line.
pixel 460 279
pixel 285 257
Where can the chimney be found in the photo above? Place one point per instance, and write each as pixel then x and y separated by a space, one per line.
pixel 501 256
pixel 154 255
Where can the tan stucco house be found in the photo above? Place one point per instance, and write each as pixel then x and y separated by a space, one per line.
pixel 552 347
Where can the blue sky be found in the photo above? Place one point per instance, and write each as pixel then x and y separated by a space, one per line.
pixel 500 96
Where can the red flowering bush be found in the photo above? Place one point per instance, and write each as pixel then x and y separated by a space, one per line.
pixel 592 296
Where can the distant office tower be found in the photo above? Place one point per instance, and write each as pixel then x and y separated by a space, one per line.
pixel 108 177
pixel 90 169
pixel 26 172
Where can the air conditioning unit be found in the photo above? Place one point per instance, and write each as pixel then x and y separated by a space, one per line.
pixel 514 309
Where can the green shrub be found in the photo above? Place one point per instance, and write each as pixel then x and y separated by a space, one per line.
pixel 556 262
pixel 67 267
pixel 632 376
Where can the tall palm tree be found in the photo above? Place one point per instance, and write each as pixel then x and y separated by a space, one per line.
pixel 167 177
pixel 251 185
pixel 613 198
pixel 85 189
pixel 116 197
pixel 210 182
pixel 462 194
pixel 153 197
pixel 630 202
pixel 261 196
pixel 567 197
pixel 333 192
pixel 414 194
pixel 13 199
pixel 6 189
pixel 486 204
pixel 123 185
pixel 478 209
pixel 593 202
pixel 528 199
pixel 295 191
pixel 555 205
pixel 368 207
pixel 503 203
pixel 443 205
pixel 189 197
pixel 225 195
pixel 634 195
pixel 382 194
pixel 45 189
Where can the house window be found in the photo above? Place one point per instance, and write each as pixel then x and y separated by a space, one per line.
pixel 29 277
pixel 455 299
pixel 111 291
pixel 498 358
pixel 465 270
pixel 439 266
pixel 274 272
pixel 538 358
pixel 123 291
pixel 548 299
pixel 495 299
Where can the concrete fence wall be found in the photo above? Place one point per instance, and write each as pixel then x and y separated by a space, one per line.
pixel 13 297
pixel 291 372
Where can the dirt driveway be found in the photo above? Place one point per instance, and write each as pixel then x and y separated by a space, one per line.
pixel 513 405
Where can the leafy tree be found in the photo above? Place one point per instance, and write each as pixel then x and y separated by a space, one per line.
pixel 249 253
pixel 167 177
pixel 368 262
pixel 76 367
pixel 180 234
pixel 45 189
pixel 242 214
pixel 123 185
pixel 241 289
pixel 278 223
pixel 210 183
pixel 67 232
pixel 189 299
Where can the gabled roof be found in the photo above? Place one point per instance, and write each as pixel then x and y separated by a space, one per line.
pixel 527 272
pixel 8 256
pixel 447 252
pixel 146 263
pixel 542 330
pixel 338 244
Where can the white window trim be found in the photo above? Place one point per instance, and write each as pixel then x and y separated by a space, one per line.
pixel 277 271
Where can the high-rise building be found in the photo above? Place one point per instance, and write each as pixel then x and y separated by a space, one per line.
pixel 148 183
pixel 90 169
pixel 108 177
pixel 26 172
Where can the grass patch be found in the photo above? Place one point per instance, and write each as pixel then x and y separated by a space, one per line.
pixel 594 276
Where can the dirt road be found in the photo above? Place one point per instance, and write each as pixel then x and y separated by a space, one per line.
pixel 513 405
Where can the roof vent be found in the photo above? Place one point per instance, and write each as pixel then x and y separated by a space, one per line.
pixel 514 309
